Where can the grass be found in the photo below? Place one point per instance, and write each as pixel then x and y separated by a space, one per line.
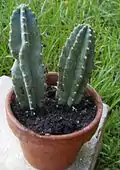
pixel 56 19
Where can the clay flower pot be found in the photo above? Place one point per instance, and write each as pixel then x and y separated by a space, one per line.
pixel 53 152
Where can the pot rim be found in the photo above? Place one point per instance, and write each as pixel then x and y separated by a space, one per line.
pixel 97 100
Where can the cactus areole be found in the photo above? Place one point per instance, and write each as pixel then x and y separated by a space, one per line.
pixel 75 61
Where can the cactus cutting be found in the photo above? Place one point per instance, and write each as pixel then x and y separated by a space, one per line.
pixel 25 46
pixel 75 61
pixel 75 65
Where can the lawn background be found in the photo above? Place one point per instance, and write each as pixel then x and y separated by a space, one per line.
pixel 56 19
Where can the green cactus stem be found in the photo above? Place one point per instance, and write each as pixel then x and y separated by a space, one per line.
pixel 25 46
pixel 18 85
pixel 75 65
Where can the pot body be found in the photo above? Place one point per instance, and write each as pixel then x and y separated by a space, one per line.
pixel 52 152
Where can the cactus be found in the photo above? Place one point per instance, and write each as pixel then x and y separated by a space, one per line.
pixel 75 65
pixel 25 46
pixel 18 85
pixel 75 62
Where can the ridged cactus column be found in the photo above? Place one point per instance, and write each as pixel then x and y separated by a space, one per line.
pixel 19 87
pixel 25 46
pixel 75 65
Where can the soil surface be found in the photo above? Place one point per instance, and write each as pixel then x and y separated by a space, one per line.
pixel 53 118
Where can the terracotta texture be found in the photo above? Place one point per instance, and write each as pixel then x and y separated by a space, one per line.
pixel 52 152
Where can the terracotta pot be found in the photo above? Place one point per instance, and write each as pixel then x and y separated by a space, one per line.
pixel 54 152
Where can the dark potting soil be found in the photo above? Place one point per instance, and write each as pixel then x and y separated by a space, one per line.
pixel 56 119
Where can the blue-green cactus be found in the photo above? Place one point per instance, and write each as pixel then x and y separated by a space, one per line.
pixel 18 84
pixel 25 46
pixel 75 62
pixel 75 65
